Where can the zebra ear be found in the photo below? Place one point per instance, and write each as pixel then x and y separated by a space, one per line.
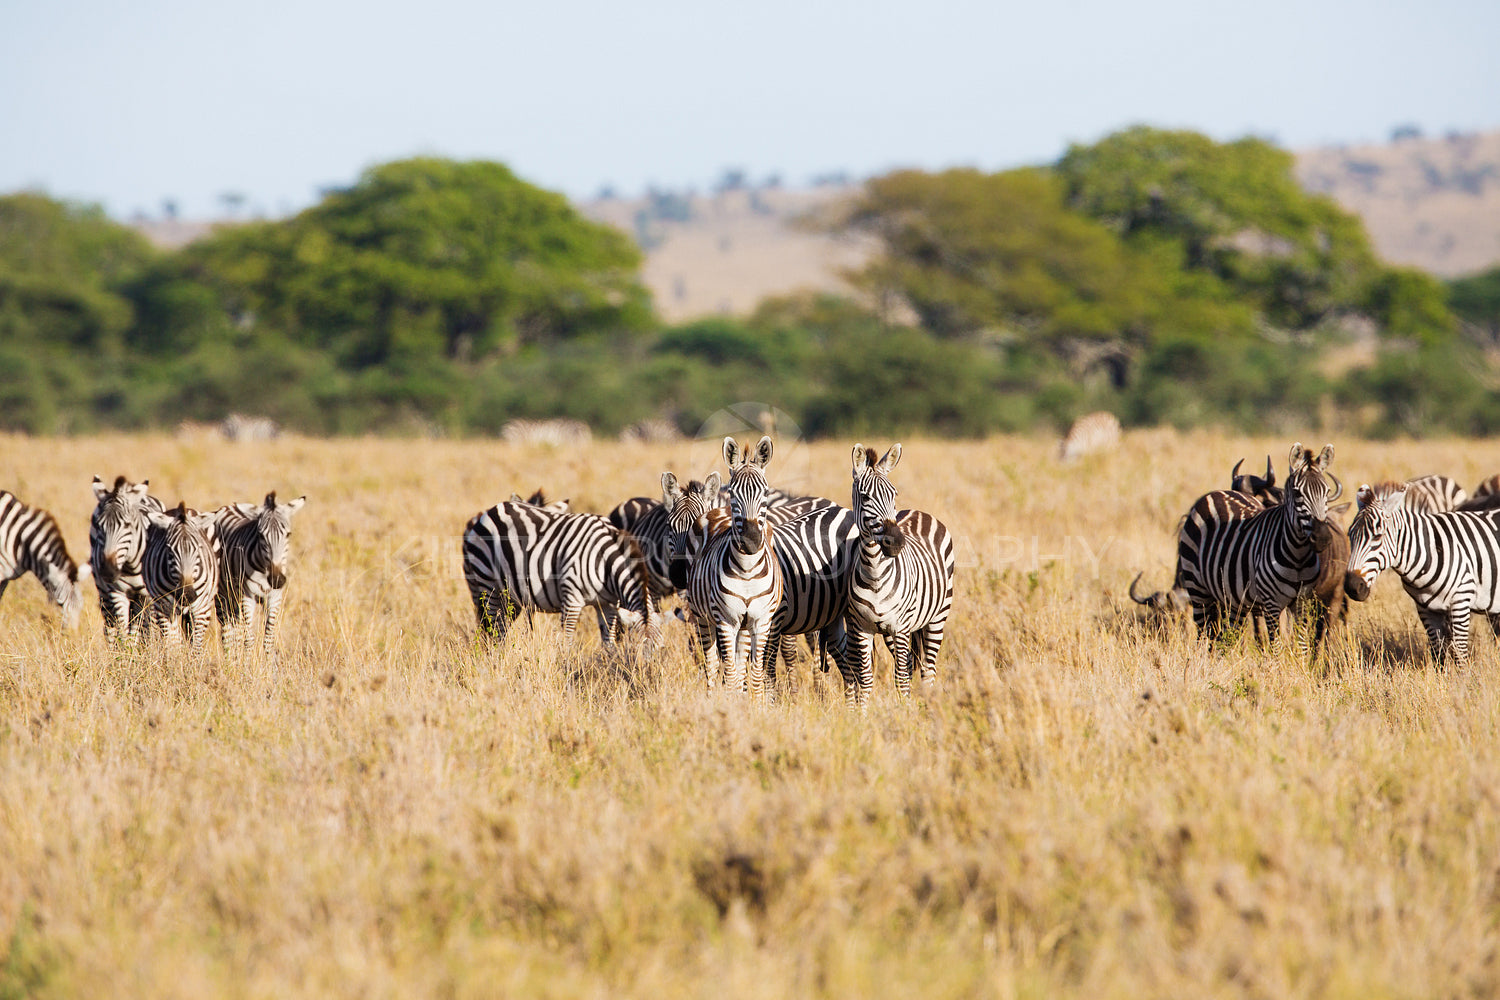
pixel 1325 458
pixel 203 522
pixel 100 490
pixel 731 452
pixel 159 519
pixel 515 498
pixel 1364 496
pixel 1298 458
pixel 861 458
pixel 669 490
pixel 763 450
pixel 889 460
pixel 292 506
pixel 711 485
pixel 1341 509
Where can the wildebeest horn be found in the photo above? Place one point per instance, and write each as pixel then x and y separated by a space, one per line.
pixel 1235 472
pixel 1340 486
pixel 1270 472
pixel 1137 580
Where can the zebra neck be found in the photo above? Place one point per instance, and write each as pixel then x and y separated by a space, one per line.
pixel 874 565
pixel 50 565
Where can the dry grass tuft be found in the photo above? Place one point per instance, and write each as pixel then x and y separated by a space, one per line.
pixel 1090 803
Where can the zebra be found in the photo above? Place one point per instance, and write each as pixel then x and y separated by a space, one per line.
pixel 117 544
pixel 181 570
pixel 519 555
pixel 558 433
pixel 816 552
pixel 735 584
pixel 539 499
pixel 901 585
pixel 649 522
pixel 1449 563
pixel 1434 494
pixel 1092 432
pixel 254 551
pixel 30 542
pixel 240 428
pixel 1236 557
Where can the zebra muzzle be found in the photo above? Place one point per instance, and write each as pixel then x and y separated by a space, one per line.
pixel 1355 586
pixel 189 593
pixel 892 538
pixel 107 569
pixel 276 577
pixel 677 570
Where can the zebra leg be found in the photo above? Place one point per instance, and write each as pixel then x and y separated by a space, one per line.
pixel 755 650
pixel 1494 623
pixel 273 620
pixel 136 623
pixel 1435 624
pixel 114 606
pixel 930 640
pixel 857 666
pixel 900 646
pixel 572 609
pixel 1459 621
pixel 198 619
pixel 726 643
pixel 1272 617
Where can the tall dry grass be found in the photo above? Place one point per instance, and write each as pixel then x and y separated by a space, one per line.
pixel 1086 805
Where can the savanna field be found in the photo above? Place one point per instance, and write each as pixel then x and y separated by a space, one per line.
pixel 1087 804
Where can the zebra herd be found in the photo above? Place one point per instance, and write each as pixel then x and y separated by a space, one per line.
pixel 159 573
pixel 1247 553
pixel 758 567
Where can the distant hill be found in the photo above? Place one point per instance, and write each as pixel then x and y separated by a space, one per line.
pixel 1428 203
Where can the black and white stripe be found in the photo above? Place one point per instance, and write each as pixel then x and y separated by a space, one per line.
pixel 1449 562
pixel 816 553
pixel 735 583
pixel 181 571
pixel 30 542
pixel 1238 558
pixel 117 548
pixel 649 522
pixel 519 555
pixel 254 555
pixel 1433 494
pixel 901 586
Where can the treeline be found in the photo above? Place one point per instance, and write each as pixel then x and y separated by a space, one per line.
pixel 1161 275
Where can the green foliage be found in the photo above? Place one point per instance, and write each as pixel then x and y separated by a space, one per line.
pixel 1476 300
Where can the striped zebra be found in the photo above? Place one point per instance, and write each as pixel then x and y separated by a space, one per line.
pixel 1434 494
pixel 117 546
pixel 1449 562
pixel 1090 433
pixel 30 542
pixel 735 583
pixel 1236 557
pixel 816 552
pixel 254 553
pixel 559 433
pixel 649 522
pixel 181 570
pixel 902 582
pixel 519 555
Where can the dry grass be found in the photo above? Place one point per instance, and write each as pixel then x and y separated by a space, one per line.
pixel 1085 806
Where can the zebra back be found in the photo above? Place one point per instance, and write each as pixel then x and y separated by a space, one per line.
pixel 30 542
pixel 649 522
pixel 1433 493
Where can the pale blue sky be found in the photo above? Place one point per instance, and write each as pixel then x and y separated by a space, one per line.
pixel 131 103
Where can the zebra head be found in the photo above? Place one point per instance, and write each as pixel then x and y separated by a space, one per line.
pixel 875 498
pixel 687 513
pixel 177 527
pixel 748 492
pixel 273 535
pixel 1382 511
pixel 1310 488
pixel 64 585
pixel 117 530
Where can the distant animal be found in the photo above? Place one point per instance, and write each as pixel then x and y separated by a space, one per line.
pixel 901 586
pixel 1449 563
pixel 735 584
pixel 654 431
pixel 30 542
pixel 519 555
pixel 117 547
pixel 1090 433
pixel 254 556
pixel 1238 558
pixel 181 570
pixel 561 433
pixel 240 428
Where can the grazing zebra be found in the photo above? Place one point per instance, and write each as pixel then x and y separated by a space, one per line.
pixel 240 428
pixel 1449 563
pixel 1092 432
pixel 181 570
pixel 30 542
pixel 557 433
pixel 117 546
pixel 902 582
pixel 519 555
pixel 1433 494
pixel 1236 557
pixel 652 431
pixel 735 583
pixel 254 551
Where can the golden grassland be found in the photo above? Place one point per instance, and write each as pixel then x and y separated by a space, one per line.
pixel 1085 805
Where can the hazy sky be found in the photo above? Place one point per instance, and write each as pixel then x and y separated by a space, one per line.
pixel 131 103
